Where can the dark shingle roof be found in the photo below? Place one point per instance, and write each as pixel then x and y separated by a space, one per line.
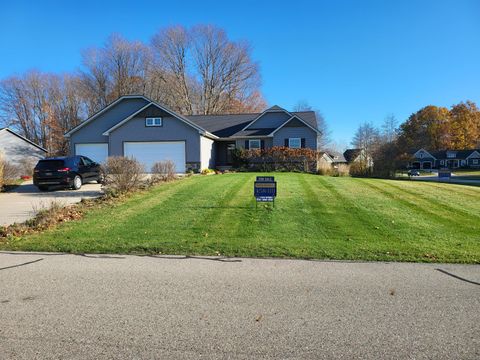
pixel 351 154
pixel 232 124
pixel 460 154
pixel 337 157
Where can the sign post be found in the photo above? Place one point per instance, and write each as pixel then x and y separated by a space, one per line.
pixel 265 189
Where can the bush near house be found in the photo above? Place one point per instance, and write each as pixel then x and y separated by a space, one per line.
pixel 277 158
pixel 163 171
pixel 121 175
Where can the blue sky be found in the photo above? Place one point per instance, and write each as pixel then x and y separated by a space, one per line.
pixel 355 61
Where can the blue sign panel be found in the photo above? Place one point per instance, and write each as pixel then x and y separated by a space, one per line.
pixel 265 189
pixel 444 173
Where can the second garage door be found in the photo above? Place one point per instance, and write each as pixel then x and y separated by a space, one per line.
pixel 148 153
pixel 97 152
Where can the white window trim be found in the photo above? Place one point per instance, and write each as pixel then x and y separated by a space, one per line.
pixel 295 147
pixel 153 121
pixel 256 141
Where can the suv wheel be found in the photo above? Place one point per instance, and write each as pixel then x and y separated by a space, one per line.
pixel 77 182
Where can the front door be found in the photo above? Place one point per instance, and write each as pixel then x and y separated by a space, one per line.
pixel 230 148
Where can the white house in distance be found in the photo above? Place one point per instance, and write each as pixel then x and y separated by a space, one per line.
pixel 18 150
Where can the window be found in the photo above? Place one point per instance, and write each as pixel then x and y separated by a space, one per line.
pixel 462 162
pixel 254 144
pixel 475 161
pixel 421 154
pixel 451 154
pixel 295 143
pixel 150 121
pixel 86 161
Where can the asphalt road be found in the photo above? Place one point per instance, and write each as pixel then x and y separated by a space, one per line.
pixel 21 203
pixel 126 307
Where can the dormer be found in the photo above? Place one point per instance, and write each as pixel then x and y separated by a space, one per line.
pixel 271 118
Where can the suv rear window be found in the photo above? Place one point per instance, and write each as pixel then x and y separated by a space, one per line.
pixel 50 164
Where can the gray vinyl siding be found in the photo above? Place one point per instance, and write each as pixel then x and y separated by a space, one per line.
pixel 304 132
pixel 92 132
pixel 172 129
pixel 270 120
pixel 15 150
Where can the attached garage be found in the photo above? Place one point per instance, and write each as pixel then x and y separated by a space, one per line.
pixel 97 152
pixel 148 153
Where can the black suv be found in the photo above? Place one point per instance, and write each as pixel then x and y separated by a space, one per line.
pixel 70 172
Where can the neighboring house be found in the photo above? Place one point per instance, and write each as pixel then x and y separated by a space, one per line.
pixel 18 150
pixel 450 159
pixel 356 155
pixel 138 127
pixel 337 158
pixel 325 158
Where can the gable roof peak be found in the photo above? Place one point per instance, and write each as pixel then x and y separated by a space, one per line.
pixel 275 108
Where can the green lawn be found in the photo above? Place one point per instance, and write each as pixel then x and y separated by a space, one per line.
pixel 314 217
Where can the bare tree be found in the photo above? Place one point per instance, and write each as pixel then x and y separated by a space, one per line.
pixel 366 138
pixel 171 48
pixel 324 139
pixel 225 69
pixel 120 67
pixel 389 129
pixel 42 107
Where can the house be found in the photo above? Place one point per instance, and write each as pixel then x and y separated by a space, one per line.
pixel 135 126
pixel 337 158
pixel 356 155
pixel 325 158
pixel 450 159
pixel 18 150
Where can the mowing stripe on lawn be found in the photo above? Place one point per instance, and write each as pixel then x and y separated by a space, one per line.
pixel 362 217
pixel 414 205
pixel 465 189
pixel 440 203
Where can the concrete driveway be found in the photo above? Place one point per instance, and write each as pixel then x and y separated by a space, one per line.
pixel 55 306
pixel 21 203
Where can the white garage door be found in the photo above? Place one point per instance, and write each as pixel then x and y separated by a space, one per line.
pixel 148 153
pixel 96 152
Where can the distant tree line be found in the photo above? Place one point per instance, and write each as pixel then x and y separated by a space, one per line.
pixel 432 127
pixel 196 70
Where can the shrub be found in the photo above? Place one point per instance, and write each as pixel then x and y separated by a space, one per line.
pixel 207 171
pixel 122 175
pixel 342 170
pixel 163 171
pixel 324 168
pixel 10 172
pixel 277 158
pixel 26 166
pixel 359 169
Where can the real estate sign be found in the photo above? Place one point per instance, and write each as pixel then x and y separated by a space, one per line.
pixel 265 189
pixel 444 174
